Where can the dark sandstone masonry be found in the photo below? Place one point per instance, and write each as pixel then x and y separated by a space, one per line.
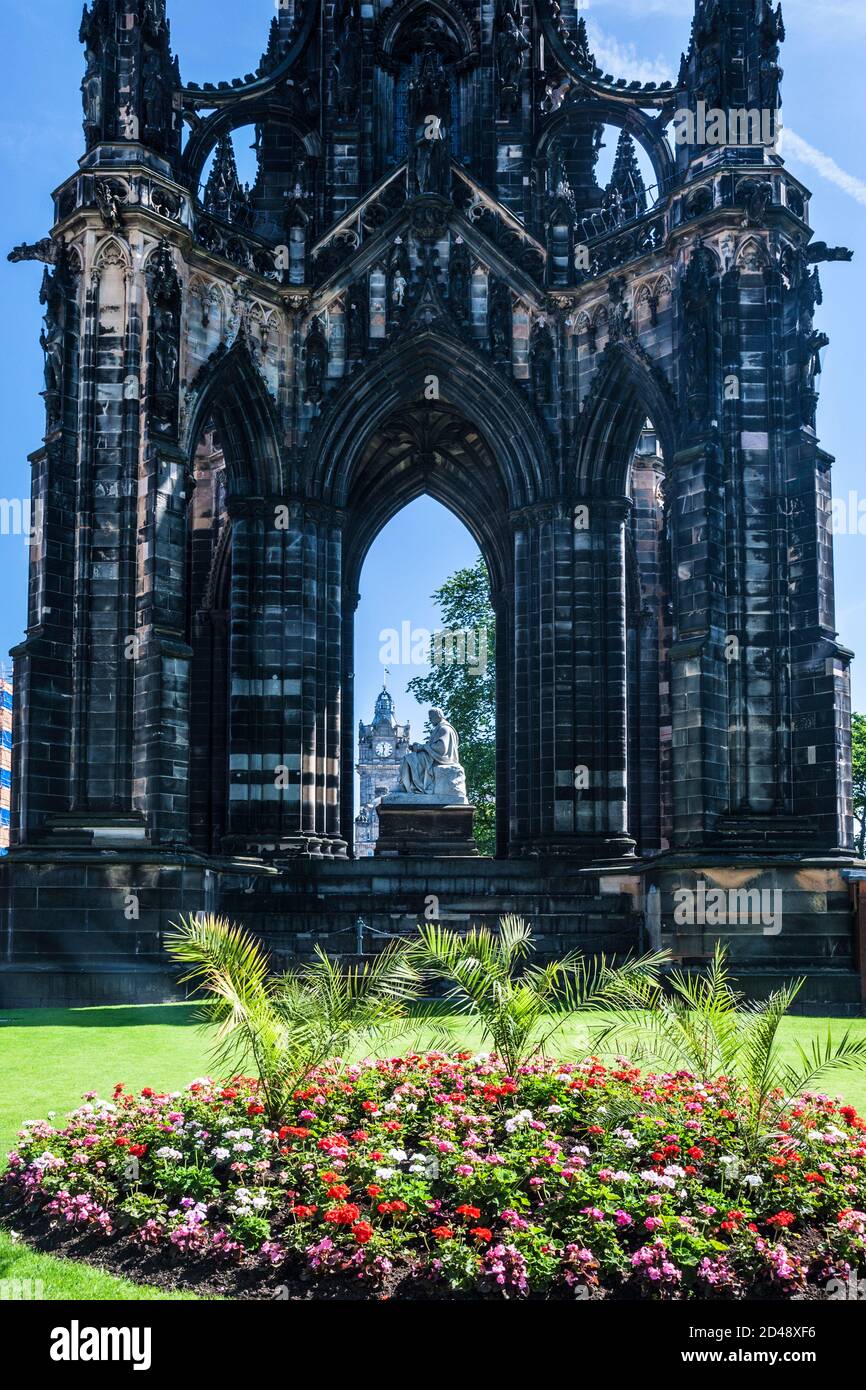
pixel 244 384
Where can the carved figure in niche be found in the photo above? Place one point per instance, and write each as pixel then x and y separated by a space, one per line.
pixel 51 340
pixel 542 354
pixel 429 107
pixel 357 315
pixel 511 49
pixel 697 299
pixel 316 364
pixel 772 31
pixel 811 370
pixel 91 95
pixel 499 317
pixel 166 350
pixel 459 280
pixel 347 58
pixel 165 301
pixel 398 274
pixel 153 96
pixel 108 202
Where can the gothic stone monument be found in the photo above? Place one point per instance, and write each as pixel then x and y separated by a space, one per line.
pixel 429 286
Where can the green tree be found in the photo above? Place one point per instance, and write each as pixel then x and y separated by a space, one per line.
pixel 858 757
pixel 462 681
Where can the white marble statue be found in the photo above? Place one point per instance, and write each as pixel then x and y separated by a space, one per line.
pixel 432 769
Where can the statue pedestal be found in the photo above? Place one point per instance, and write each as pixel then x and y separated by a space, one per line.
pixel 424 827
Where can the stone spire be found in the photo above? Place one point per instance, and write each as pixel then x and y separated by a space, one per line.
pixel 732 65
pixel 626 189
pixel 224 194
pixel 131 86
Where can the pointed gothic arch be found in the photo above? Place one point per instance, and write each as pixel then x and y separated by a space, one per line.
pixel 231 389
pixel 431 361
pixel 626 389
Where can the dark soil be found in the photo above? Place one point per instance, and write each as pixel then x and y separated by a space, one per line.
pixel 210 1277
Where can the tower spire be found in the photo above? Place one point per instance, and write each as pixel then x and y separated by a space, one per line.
pixel 131 86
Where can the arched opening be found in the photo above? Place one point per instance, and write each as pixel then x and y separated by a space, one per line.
pixel 421 456
pixel 208 595
pixel 424 635
pixel 623 458
pixel 233 455
pixel 649 630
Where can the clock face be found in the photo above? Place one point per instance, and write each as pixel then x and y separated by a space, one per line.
pixel 384 749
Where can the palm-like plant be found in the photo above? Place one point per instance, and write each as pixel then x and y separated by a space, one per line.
pixel 521 1008
pixel 701 1023
pixel 288 1024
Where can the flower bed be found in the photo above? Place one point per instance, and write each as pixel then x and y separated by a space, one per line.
pixel 435 1176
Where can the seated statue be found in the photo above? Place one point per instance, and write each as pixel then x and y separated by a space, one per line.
pixel 433 768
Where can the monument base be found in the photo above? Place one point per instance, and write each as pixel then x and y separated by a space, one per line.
pixel 424 827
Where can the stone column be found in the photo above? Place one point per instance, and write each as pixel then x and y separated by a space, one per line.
pixel 286 679
pixel 699 708
pixel 568 791
pixel 43 661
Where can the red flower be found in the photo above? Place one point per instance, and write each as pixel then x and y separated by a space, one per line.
pixel 782 1218
pixel 815 1177
pixel 304 1213
pixel 471 1213
pixel 228 1093
pixel 482 1233
pixel 343 1216
pixel 138 1150
pixel 443 1232
pixel 370 1106
pixel 339 1191
pixel 254 1108
pixel 362 1231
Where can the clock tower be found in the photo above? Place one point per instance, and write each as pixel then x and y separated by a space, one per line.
pixel 381 745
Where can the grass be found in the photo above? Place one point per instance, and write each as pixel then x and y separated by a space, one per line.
pixel 50 1057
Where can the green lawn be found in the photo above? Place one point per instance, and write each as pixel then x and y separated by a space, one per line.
pixel 50 1057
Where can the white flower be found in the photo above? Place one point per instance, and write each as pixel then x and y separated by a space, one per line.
pixel 397 1155
pixel 523 1117
pixel 385 1173
pixel 166 1152
pixel 554 1109
pixel 222 1154
pixel 753 1180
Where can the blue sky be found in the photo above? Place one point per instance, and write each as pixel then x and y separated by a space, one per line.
pixel 40 142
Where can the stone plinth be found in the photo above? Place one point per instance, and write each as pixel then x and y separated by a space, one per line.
pixel 424 827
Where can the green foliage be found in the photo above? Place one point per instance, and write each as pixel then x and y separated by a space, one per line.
pixel 522 1007
pixel 287 1024
pixel 189 1180
pixel 698 1021
pixel 466 693
pixel 858 759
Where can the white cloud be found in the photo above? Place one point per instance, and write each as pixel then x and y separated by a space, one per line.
pixel 794 147
pixel 623 59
